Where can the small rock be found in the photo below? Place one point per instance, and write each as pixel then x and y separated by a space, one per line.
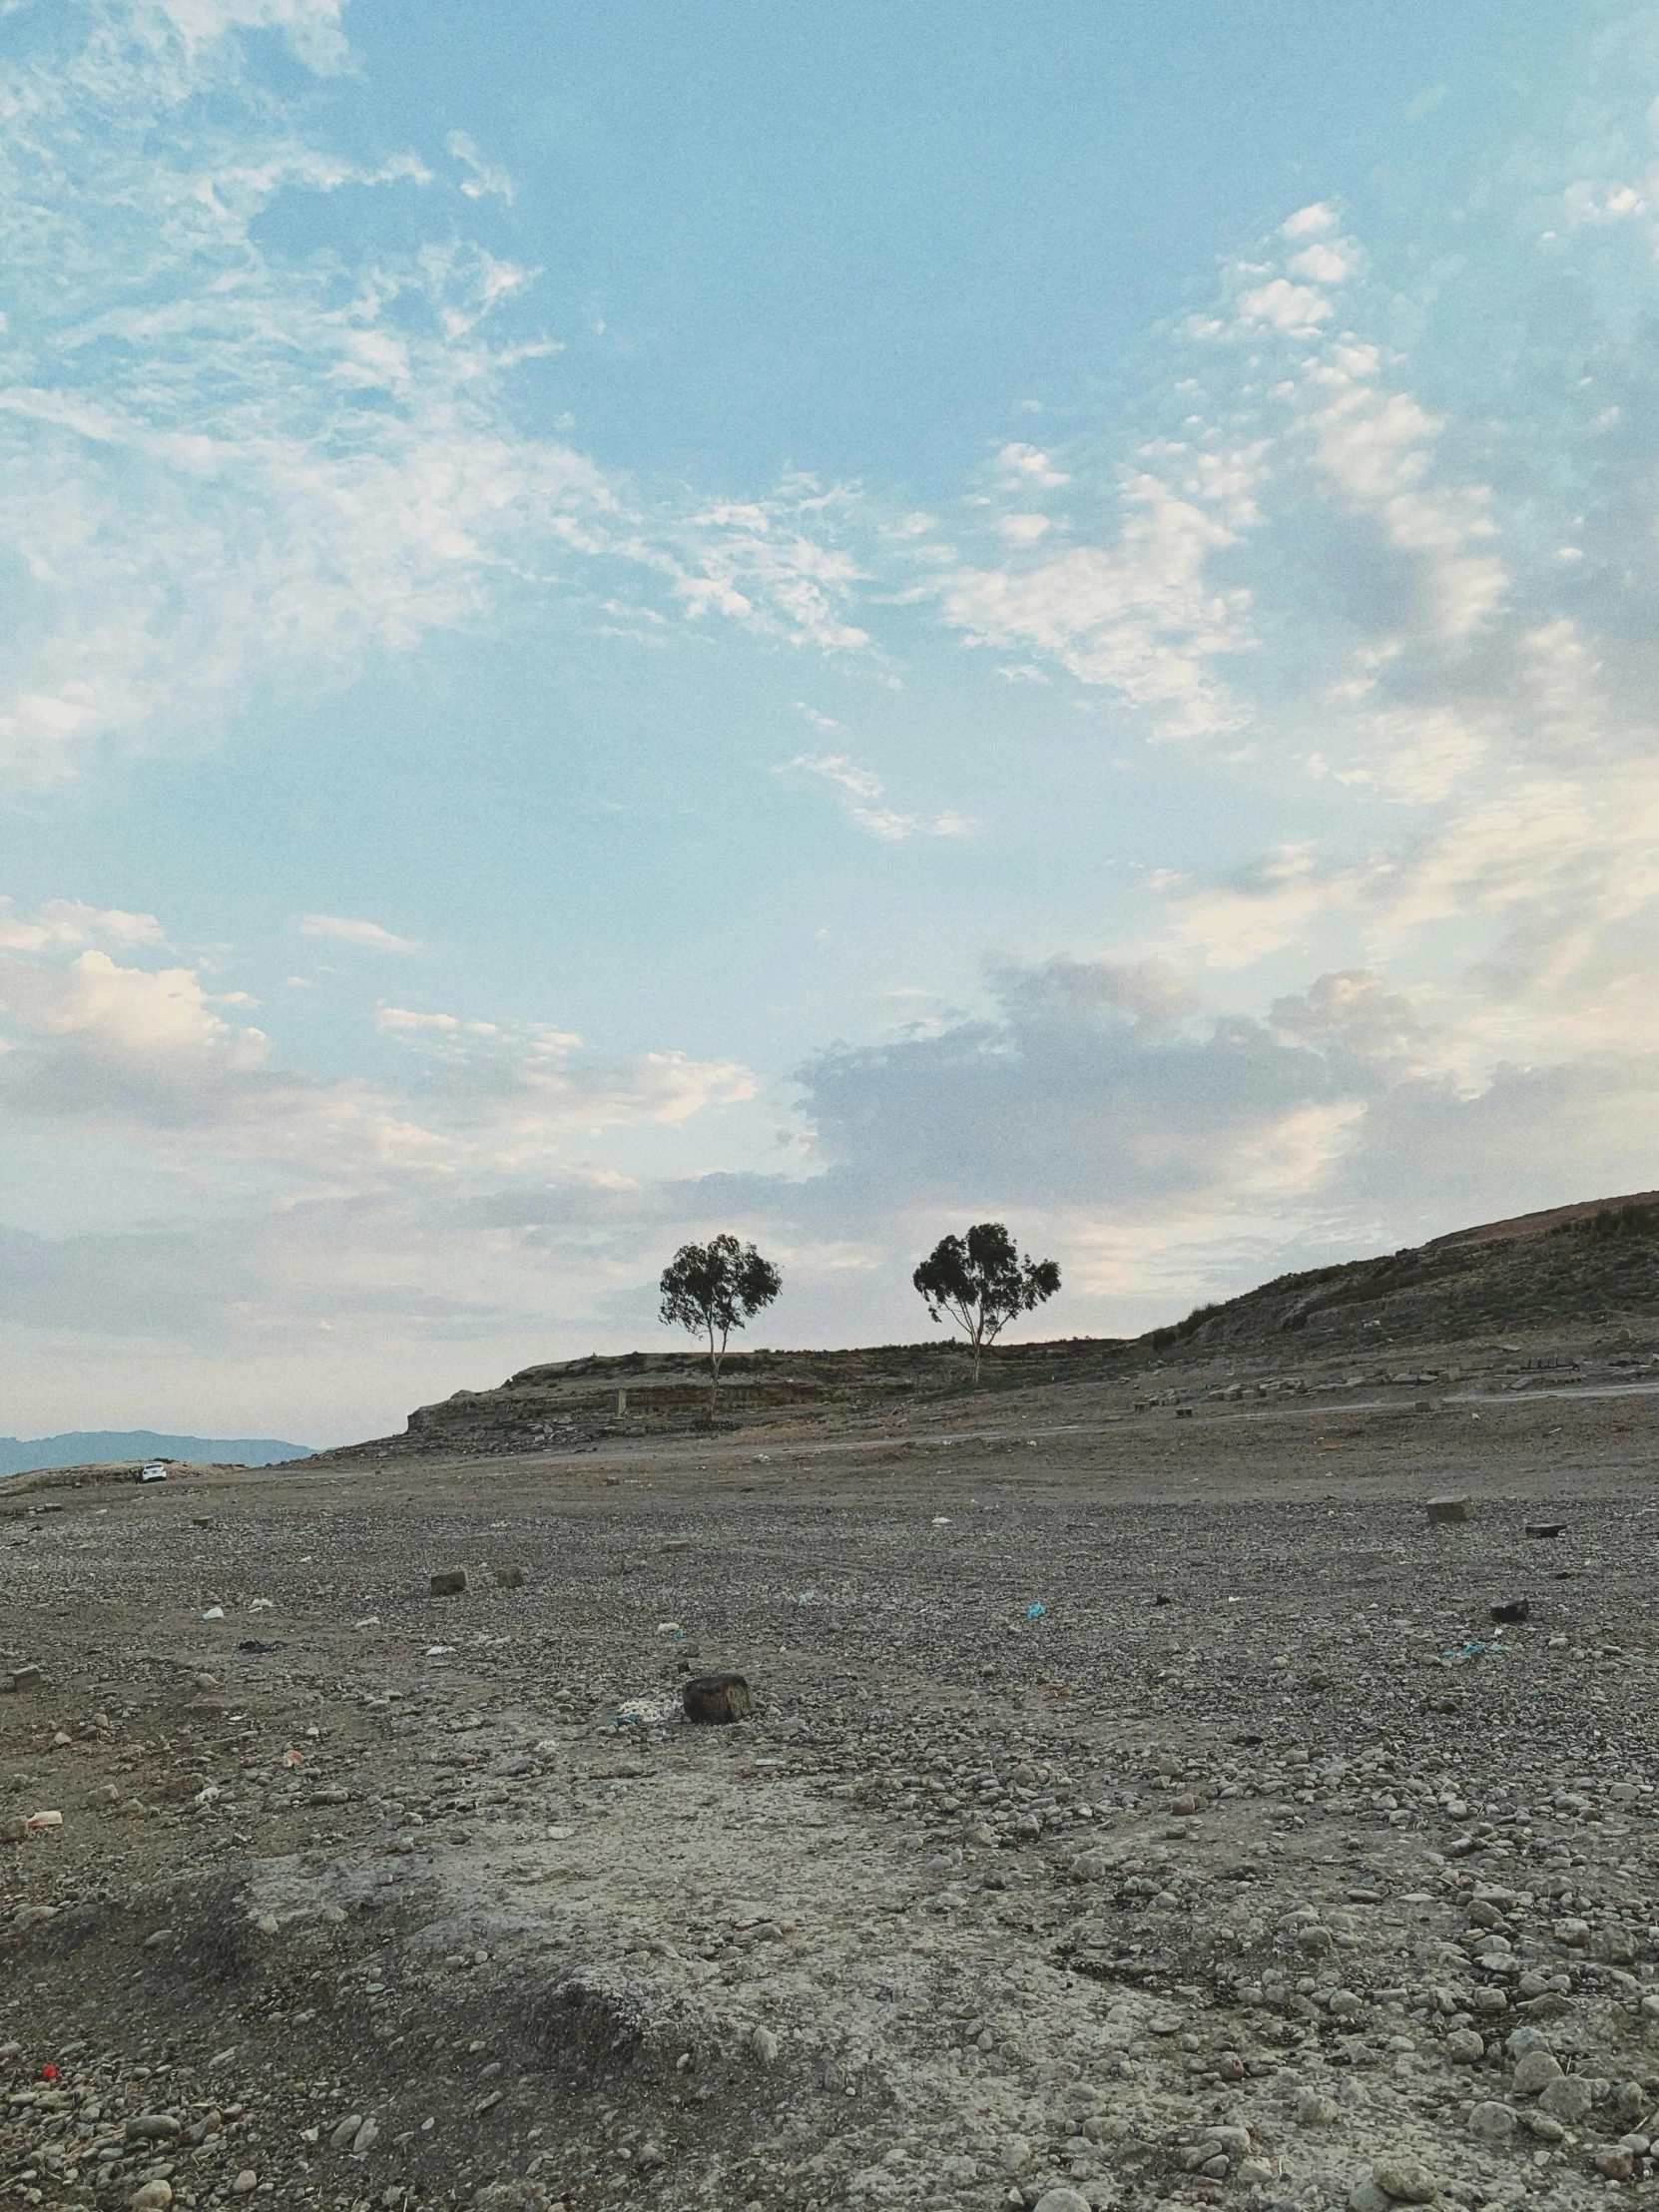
pixel 1567 2099
pixel 152 2197
pixel 1315 2111
pixel 1449 1508
pixel 1574 1934
pixel 1365 2196
pixel 509 1578
pixel 344 2132
pixel 451 1582
pixel 1493 2122
pixel 1615 2164
pixel 1464 2048
pixel 1534 2071
pixel 1525 2040
pixel 246 2181
pixel 1541 2125
pixel 1062 2200
pixel 1511 1609
pixel 1234 2141
pixel 764 2043
pixel 1405 2178
pixel 718 1698
pixel 366 2136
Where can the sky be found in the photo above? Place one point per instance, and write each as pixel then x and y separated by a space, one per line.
pixel 625 621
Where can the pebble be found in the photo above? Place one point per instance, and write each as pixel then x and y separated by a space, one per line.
pixel 1568 2099
pixel 1493 2122
pixel 1063 2199
pixel 152 2197
pixel 1464 2048
pixel 247 2180
pixel 1405 2178
pixel 1534 2071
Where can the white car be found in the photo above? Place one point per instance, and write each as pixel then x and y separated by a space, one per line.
pixel 153 1470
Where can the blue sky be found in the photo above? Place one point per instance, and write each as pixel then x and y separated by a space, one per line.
pixel 622 621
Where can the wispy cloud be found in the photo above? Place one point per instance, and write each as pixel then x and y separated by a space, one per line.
pixel 346 931
pixel 863 788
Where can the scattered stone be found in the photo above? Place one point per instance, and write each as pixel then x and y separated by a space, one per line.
pixel 718 1698
pixel 1063 2199
pixel 1546 2129
pixel 1567 2099
pixel 23 1678
pixel 450 1582
pixel 1535 2070
pixel 1448 1510
pixel 152 2197
pixel 1492 2122
pixel 1546 1528
pixel 509 1578
pixel 1405 2178
pixel 1464 2048
pixel 1509 1610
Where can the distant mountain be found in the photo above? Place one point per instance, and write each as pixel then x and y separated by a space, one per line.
pixel 86 1447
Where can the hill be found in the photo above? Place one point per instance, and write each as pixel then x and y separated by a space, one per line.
pixel 1589 1264
pixel 94 1446
pixel 1596 1261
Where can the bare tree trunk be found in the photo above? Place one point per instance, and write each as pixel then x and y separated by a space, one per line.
pixel 714 1373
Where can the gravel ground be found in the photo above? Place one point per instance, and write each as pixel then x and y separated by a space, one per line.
pixel 1137 1809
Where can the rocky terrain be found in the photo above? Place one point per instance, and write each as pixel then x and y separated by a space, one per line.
pixel 1140 1805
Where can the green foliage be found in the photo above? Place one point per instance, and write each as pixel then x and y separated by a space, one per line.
pixel 713 1289
pixel 981 1283
pixel 1613 1222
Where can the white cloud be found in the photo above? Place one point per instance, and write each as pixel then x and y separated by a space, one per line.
pixel 125 1010
pixel 346 931
pixel 312 27
pixel 484 179
pixel 1287 307
pixel 1323 264
pixel 1309 222
pixel 1139 616
pixel 845 774
pixel 1030 466
pixel 71 921
pixel 863 786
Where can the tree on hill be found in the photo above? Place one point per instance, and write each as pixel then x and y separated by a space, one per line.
pixel 713 1289
pixel 981 1283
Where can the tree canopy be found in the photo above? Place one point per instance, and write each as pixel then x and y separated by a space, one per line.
pixel 709 1290
pixel 981 1283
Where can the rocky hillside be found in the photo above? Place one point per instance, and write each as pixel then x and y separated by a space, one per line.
pixel 572 1401
pixel 1596 1263
pixel 1593 1262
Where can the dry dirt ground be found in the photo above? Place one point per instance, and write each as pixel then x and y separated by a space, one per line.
pixel 1139 1808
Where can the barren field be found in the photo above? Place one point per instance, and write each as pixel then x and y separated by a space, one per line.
pixel 1138 1808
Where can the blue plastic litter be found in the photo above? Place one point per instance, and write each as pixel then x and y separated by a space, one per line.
pixel 1036 1612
